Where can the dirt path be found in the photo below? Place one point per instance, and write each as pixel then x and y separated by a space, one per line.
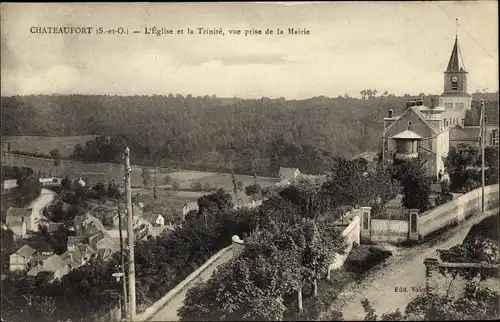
pixel 401 278
pixel 169 311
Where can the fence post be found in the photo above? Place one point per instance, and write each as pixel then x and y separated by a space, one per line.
pixel 365 224
pixel 413 224
pixel 238 246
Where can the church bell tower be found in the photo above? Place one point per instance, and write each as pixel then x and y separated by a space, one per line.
pixel 455 98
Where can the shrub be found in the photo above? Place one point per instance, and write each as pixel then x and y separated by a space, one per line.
pixel 207 187
pixel 196 186
pixel 176 185
pixel 168 179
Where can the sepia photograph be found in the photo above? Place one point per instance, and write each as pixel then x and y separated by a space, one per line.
pixel 250 161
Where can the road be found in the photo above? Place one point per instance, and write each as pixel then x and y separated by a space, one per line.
pixel 404 269
pixel 169 311
pixel 37 205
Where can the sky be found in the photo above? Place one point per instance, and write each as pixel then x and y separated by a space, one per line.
pixel 399 47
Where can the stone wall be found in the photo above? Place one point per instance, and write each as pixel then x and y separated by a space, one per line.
pixel 352 234
pixel 456 210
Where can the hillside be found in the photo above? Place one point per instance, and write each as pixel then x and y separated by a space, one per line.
pixel 208 133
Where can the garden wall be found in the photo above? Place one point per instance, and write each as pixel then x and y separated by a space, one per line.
pixel 456 210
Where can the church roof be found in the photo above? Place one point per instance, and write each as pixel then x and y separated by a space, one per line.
pixel 454 62
pixel 407 134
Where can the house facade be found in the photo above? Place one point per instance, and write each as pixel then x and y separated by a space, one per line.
pixel 21 259
pixel 19 221
pixel 288 173
pixel 420 132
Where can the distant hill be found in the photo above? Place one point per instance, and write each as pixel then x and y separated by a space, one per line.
pixel 210 133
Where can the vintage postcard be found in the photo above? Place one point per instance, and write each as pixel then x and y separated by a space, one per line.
pixel 264 161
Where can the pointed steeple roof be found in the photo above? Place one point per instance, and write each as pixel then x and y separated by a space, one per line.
pixel 454 62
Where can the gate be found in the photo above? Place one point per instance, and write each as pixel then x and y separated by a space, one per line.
pixel 390 226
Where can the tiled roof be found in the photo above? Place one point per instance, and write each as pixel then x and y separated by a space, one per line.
pixel 40 245
pixel 18 212
pixel 418 113
pixel 53 226
pixel 50 264
pixel 26 251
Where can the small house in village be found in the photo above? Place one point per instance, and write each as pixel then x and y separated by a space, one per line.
pixel 189 206
pixel 22 258
pixel 53 265
pixel 19 220
pixel 288 173
pixel 50 181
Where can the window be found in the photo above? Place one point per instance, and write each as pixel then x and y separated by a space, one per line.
pixel 449 106
pixel 459 106
pixel 494 137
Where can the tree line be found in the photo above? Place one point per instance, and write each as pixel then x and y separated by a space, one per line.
pixel 207 132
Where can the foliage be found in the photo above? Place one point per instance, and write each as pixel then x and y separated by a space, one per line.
pixel 463 165
pixel 196 186
pixel 445 194
pixel 102 149
pixel 254 191
pixel 56 155
pixel 145 177
pixel 476 303
pixel 206 133
pixel 176 185
pixel 417 186
pixel 349 183
pixel 168 179
pixel 215 203
pixel 281 257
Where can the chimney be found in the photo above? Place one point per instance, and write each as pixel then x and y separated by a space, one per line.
pixel 410 104
pixel 419 102
pixel 390 113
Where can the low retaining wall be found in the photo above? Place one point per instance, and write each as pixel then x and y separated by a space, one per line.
pixel 352 235
pixel 150 311
pixel 456 210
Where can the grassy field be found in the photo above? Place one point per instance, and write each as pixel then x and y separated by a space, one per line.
pixel 43 144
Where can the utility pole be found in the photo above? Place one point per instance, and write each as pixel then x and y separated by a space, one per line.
pixel 130 237
pixel 154 185
pixel 122 255
pixel 483 134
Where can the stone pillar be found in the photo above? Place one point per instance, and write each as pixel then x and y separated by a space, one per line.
pixel 413 224
pixel 365 224
pixel 238 246
pixel 431 274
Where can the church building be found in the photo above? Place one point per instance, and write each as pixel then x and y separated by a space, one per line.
pixel 428 133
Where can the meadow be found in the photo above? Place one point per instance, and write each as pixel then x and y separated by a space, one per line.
pixel 44 144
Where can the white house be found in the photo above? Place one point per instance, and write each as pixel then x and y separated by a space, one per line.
pixel 288 173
